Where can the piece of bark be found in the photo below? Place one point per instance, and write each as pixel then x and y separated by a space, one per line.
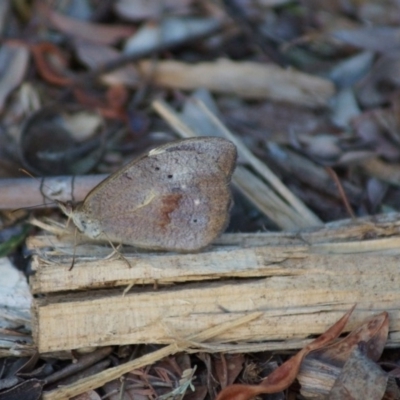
pixel 18 193
pixel 247 80
pixel 301 283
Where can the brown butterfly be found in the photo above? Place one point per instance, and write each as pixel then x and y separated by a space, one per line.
pixel 176 197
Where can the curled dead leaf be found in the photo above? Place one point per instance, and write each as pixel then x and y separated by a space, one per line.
pixel 283 376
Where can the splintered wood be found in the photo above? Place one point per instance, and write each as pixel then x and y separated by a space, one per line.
pixel 300 282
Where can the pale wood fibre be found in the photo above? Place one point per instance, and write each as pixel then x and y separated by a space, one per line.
pixel 300 289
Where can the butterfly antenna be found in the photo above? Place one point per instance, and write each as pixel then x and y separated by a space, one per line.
pixel 41 186
pixel 27 208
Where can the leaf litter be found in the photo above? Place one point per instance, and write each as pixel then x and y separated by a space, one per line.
pixel 99 65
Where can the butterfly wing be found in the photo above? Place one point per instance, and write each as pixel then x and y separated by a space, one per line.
pixel 176 197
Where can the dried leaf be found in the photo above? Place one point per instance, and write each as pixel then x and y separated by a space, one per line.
pixel 372 332
pixel 382 81
pixel 170 31
pixel 349 71
pixel 136 10
pixel 185 383
pixel 51 63
pixel 321 368
pixel 91 395
pixel 345 108
pixel 93 54
pixel 283 376
pixel 383 12
pixel 14 59
pixel 228 367
pixel 378 129
pixel 382 38
pixel 98 33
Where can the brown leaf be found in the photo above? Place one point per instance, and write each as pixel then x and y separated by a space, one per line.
pixel 373 332
pixel 98 33
pixel 51 63
pixel 321 368
pixel 283 376
pixel 228 367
